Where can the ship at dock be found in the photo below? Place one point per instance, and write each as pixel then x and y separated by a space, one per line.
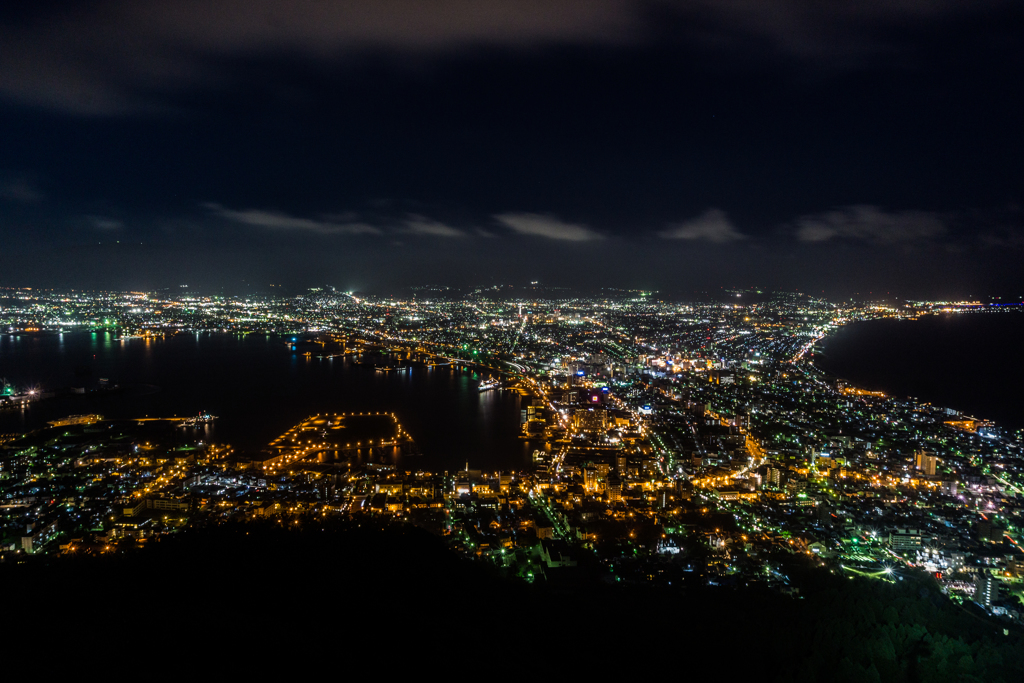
pixel 199 420
pixel 488 384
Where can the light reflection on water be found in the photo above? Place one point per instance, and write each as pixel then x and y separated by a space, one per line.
pixel 258 389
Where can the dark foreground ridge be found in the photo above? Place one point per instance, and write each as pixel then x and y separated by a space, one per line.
pixel 393 597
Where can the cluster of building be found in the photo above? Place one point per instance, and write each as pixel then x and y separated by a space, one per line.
pixel 672 443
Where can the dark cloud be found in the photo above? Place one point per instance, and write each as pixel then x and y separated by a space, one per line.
pixel 1003 239
pixel 20 190
pixel 113 56
pixel 838 31
pixel 108 57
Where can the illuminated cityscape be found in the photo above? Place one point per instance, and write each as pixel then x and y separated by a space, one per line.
pixel 672 443
pixel 585 339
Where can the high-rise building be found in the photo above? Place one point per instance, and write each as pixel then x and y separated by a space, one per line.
pixel 986 589
pixel 614 488
pixel 926 461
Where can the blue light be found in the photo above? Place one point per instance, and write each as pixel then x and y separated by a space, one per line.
pixel 579 373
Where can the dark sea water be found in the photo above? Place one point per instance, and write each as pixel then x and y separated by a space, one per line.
pixel 258 389
pixel 970 362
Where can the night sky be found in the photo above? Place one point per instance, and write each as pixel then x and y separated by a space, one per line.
pixel 684 145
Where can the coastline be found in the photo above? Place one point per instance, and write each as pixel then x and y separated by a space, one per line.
pixel 871 358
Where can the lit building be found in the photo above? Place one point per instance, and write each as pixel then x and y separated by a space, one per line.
pixel 986 589
pixel 621 463
pixel 905 539
pixel 926 461
pixel 614 489
pixel 590 420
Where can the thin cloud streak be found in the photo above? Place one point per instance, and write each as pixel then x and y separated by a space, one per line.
pixel 419 225
pixel 711 226
pixel 539 225
pixel 870 224
pixel 282 222
pixel 105 224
